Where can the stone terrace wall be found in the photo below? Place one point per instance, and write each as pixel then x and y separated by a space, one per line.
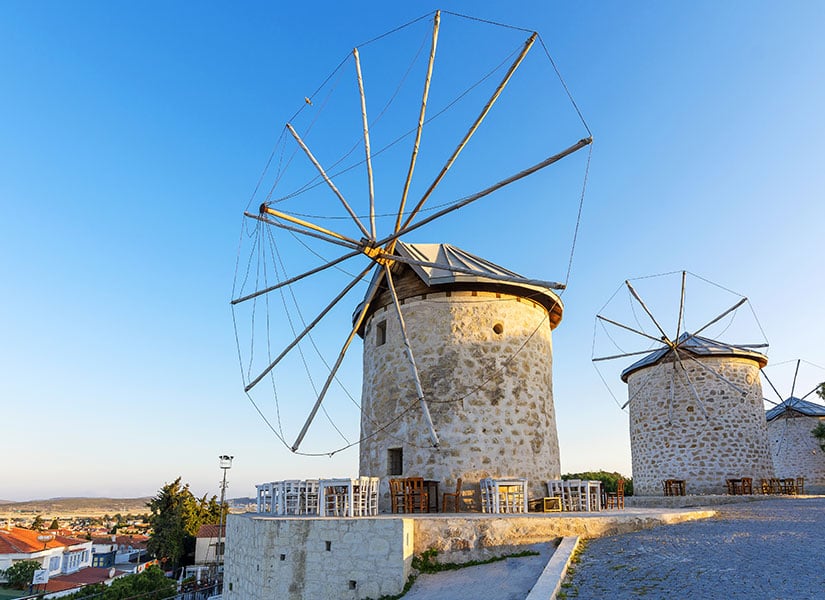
pixel 678 442
pixel 796 452
pixel 485 362
pixel 296 558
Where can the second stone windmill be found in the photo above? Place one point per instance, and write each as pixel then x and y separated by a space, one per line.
pixel 695 406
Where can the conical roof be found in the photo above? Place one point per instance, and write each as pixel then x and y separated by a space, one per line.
pixel 698 346
pixel 809 409
pixel 478 273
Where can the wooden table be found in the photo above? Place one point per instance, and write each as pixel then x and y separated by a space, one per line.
pixel 546 504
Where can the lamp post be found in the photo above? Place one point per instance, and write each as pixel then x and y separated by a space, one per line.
pixel 225 464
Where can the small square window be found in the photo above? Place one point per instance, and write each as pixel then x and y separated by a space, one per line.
pixel 395 461
pixel 381 333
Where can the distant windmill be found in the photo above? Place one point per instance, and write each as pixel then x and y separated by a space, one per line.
pixel 695 403
pixel 794 449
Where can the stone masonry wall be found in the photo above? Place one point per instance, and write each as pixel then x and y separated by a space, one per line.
pixel 674 440
pixel 317 559
pixel 796 452
pixel 485 362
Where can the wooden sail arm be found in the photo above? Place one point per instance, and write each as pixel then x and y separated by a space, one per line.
pixel 365 123
pixel 715 320
pixel 691 386
pixel 649 314
pixel 419 391
pixel 642 333
pixel 323 173
pixel 422 113
pixel 297 278
pixel 308 328
pixel 527 45
pixel 319 232
pixel 718 375
pixel 373 289
pixel 625 355
pixel 486 192
pixel 681 307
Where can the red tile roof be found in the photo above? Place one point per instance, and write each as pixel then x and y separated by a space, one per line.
pixel 211 531
pixel 24 541
pixel 82 577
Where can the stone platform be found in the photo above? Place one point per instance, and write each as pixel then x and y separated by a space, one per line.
pixel 668 502
pixel 367 557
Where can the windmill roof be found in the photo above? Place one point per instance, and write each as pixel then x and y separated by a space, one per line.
pixel 809 409
pixel 483 272
pixel 698 346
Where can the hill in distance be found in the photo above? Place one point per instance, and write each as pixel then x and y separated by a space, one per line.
pixel 55 507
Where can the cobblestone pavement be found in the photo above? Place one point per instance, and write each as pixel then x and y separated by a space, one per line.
pixel 758 550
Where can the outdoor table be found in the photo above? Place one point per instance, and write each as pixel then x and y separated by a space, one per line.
pixel 546 504
pixel 325 484
pixel 502 485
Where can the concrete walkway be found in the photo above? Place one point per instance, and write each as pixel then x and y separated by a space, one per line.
pixel 510 579
pixel 769 549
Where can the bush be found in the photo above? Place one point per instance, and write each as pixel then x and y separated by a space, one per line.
pixel 20 574
pixel 610 481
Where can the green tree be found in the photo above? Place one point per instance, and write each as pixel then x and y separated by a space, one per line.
pixel 609 480
pixel 152 584
pixel 20 574
pixel 55 524
pixel 819 433
pixel 39 523
pixel 820 391
pixel 175 519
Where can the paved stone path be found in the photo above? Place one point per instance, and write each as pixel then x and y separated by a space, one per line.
pixel 509 579
pixel 767 550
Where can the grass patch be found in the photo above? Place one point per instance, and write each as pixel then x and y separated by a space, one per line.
pixel 407 586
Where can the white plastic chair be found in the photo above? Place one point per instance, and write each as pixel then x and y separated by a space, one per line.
pixel 372 506
pixel 487 492
pixel 265 500
pixel 309 495
pixel 292 497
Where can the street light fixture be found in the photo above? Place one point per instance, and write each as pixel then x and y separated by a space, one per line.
pixel 225 462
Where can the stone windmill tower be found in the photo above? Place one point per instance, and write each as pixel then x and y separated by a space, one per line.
pixel 794 449
pixel 482 341
pixel 695 408
pixel 696 416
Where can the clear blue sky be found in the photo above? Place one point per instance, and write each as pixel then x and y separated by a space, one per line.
pixel 132 135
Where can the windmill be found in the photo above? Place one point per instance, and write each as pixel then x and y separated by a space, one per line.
pixel 796 452
pixel 694 400
pixel 287 325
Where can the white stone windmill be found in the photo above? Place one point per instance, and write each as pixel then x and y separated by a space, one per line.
pixel 695 404
pixel 795 451
pixel 422 302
